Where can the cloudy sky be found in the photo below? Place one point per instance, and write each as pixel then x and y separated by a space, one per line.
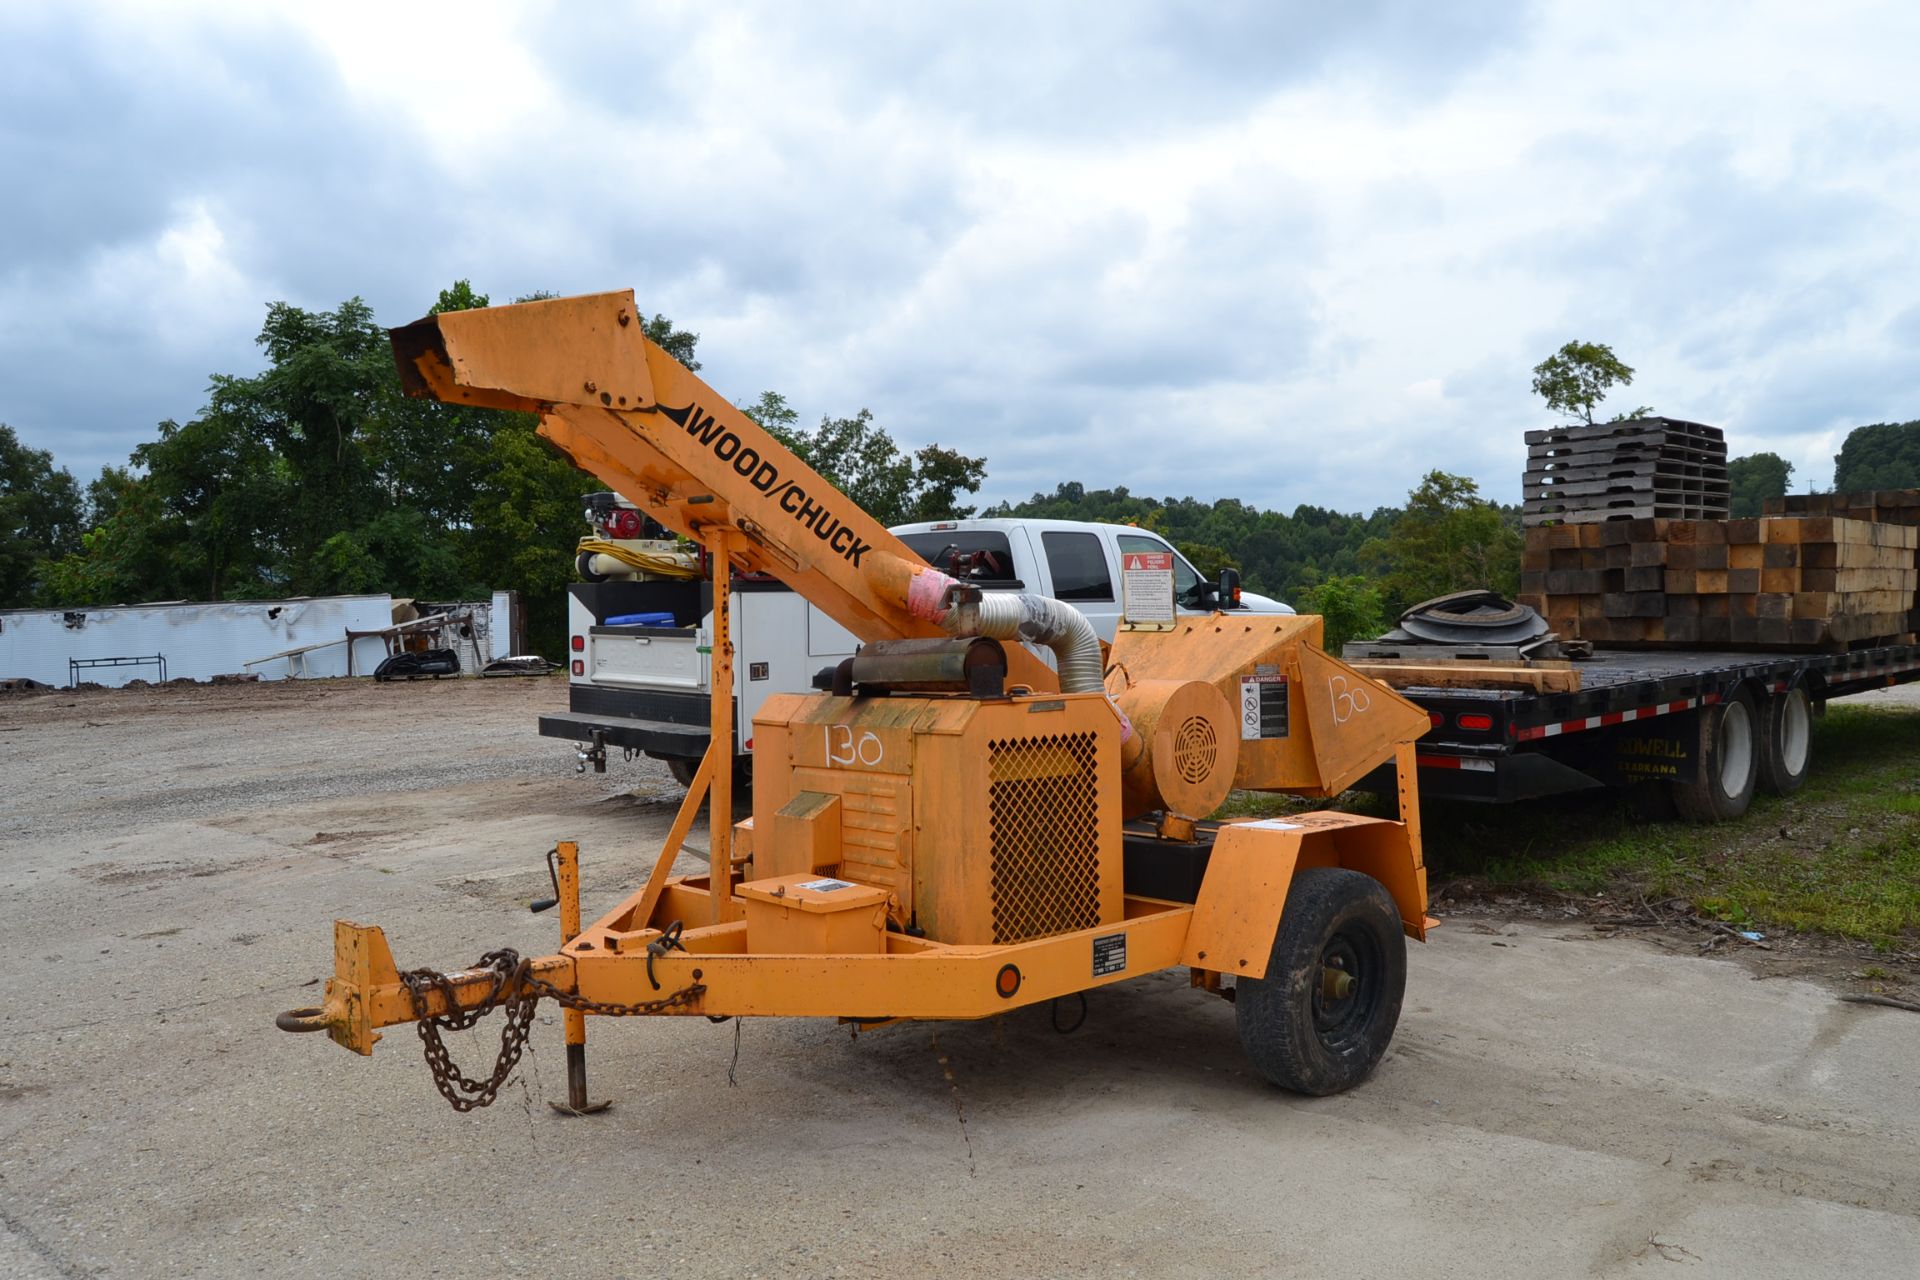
pixel 1286 252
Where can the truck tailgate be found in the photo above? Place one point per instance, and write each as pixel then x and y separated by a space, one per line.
pixel 654 657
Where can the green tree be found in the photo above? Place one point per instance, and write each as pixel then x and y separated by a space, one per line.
pixel 860 459
pixel 104 493
pixel 225 494
pixel 1205 557
pixel 1277 553
pixel 1350 607
pixel 459 296
pixel 330 376
pixel 677 343
pixel 1755 478
pixel 1577 377
pixel 41 516
pixel 399 551
pixel 526 520
pixel 1885 455
pixel 134 554
pixel 318 475
pixel 1448 539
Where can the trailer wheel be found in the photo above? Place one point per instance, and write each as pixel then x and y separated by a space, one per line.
pixel 1321 1018
pixel 1728 758
pixel 1788 750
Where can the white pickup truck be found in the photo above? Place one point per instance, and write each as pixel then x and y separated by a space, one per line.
pixel 642 686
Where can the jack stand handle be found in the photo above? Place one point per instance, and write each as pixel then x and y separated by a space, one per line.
pixel 543 904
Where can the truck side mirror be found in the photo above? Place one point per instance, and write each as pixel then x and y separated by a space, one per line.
pixel 1229 589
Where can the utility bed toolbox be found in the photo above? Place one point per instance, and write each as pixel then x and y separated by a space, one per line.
pixel 814 915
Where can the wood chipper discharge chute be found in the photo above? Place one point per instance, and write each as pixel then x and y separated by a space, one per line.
pixel 954 826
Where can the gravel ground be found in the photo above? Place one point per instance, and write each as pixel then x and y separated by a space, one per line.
pixel 1901 695
pixel 1555 1103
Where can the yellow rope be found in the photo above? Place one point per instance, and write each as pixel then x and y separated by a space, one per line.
pixel 658 565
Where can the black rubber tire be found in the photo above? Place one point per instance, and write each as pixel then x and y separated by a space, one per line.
pixel 1786 750
pixel 1293 1034
pixel 683 768
pixel 1722 789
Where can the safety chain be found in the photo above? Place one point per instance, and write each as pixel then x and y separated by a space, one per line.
pixel 515 987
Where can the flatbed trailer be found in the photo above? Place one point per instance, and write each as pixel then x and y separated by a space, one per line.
pixel 1649 719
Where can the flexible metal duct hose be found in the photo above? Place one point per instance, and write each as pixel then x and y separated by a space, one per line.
pixel 1060 627
pixel 1002 616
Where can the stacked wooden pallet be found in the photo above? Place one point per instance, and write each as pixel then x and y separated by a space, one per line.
pixel 1815 582
pixel 1642 469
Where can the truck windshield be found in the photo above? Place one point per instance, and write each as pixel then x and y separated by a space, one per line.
pixel 973 555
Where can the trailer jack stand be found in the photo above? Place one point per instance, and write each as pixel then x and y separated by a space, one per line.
pixel 576 1103
pixel 564 863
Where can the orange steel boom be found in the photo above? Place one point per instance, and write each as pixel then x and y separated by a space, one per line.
pixel 646 425
pixel 953 831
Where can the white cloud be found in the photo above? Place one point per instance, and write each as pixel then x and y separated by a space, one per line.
pixel 1287 253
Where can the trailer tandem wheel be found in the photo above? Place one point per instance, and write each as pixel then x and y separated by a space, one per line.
pixel 1787 742
pixel 1729 744
pixel 1322 1017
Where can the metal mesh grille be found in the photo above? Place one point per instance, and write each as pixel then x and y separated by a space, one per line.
pixel 1195 749
pixel 1043 830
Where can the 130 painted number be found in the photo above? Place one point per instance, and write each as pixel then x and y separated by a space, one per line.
pixel 1347 703
pixel 844 748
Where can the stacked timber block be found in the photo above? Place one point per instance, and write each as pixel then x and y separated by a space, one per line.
pixel 1813 582
pixel 1883 506
pixel 1641 469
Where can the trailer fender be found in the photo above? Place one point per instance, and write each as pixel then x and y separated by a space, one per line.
pixel 1237 911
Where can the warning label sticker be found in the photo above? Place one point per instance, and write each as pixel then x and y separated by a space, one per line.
pixel 1109 955
pixel 1146 587
pixel 1263 707
pixel 824 886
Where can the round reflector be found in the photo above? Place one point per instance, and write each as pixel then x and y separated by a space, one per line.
pixel 1007 981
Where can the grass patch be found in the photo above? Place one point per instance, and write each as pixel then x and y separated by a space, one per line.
pixel 1840 857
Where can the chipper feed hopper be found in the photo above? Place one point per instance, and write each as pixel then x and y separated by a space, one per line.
pixel 953 826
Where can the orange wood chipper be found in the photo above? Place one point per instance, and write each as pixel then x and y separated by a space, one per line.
pixel 952 827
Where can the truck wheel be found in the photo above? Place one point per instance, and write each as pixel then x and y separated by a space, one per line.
pixel 1727 760
pixel 683 770
pixel 1321 1018
pixel 1788 750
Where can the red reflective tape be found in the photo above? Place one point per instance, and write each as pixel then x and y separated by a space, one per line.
pixel 1437 762
pixel 1610 718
